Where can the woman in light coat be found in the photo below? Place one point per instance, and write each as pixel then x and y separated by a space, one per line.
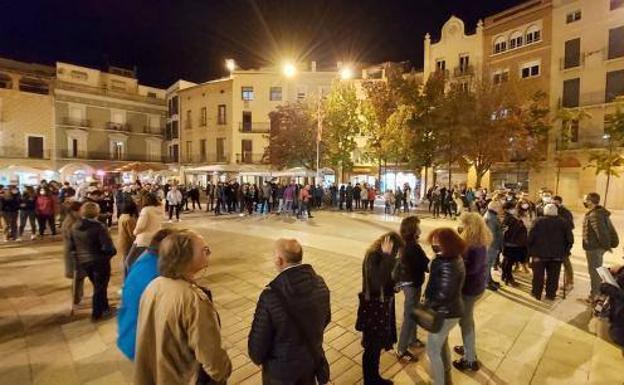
pixel 149 222
pixel 126 224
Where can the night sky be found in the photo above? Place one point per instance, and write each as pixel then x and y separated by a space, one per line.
pixel 189 39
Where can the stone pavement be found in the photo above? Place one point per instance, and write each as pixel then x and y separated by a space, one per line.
pixel 519 340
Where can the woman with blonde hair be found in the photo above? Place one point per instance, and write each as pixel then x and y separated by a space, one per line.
pixel 477 236
pixel 178 337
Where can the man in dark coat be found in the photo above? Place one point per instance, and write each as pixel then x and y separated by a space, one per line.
pixel 567 216
pixel 286 335
pixel 549 243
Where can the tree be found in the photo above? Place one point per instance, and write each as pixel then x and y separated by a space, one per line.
pixel 608 162
pixel 292 138
pixel 568 117
pixel 340 125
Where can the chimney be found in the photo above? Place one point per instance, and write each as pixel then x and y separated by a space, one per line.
pixel 313 66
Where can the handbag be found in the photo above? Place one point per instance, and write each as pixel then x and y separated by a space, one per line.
pixel 427 318
pixel 373 313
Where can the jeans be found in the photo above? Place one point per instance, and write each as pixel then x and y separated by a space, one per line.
pixel 467 325
pixel 10 217
pixel 439 353
pixel 194 201
pixel 492 253
pixel 409 326
pixel 43 219
pixel 177 211
pixel 99 275
pixel 594 261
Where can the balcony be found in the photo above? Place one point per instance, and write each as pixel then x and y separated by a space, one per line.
pixel 254 127
pixel 100 155
pixel 153 130
pixel 461 71
pixel 572 64
pixel 124 127
pixel 62 85
pixel 82 123
pixel 441 72
pixel 11 152
pixel 206 158
pixel 249 158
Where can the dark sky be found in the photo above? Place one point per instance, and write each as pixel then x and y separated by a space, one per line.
pixel 189 39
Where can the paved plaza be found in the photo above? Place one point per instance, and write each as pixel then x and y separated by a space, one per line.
pixel 519 340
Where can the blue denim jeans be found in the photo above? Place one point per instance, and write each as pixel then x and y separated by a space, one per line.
pixel 467 325
pixel 594 261
pixel 409 326
pixel 439 353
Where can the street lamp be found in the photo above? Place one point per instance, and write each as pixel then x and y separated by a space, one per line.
pixel 346 73
pixel 289 69
pixel 230 64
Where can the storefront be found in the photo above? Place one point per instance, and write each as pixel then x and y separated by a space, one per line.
pixel 25 176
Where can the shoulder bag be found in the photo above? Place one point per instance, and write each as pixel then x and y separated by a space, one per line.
pixel 373 313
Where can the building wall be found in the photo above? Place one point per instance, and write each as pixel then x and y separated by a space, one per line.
pixel 593 30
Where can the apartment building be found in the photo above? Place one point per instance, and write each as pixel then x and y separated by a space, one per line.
pixel 26 122
pixel 517 47
pixel 172 128
pixel 225 122
pixel 105 120
pixel 587 73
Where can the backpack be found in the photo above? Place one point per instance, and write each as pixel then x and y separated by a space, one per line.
pixel 614 240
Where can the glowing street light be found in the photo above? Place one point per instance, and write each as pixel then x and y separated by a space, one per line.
pixel 289 70
pixel 230 64
pixel 346 73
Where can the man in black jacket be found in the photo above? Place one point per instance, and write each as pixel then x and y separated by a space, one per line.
pixel 567 216
pixel 286 335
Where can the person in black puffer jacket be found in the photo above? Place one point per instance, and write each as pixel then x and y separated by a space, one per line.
pixel 549 243
pixel 276 339
pixel 514 242
pixel 443 295
pixel 413 266
pixel 92 248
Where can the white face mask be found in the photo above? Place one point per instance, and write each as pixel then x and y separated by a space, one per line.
pixel 546 199
pixel 525 206
pixel 512 211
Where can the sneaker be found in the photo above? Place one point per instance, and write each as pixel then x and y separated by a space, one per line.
pixel 459 350
pixel 492 286
pixel 178 220
pixel 407 356
pixel 464 365
pixel 33 237
pixel 169 221
pixel 18 239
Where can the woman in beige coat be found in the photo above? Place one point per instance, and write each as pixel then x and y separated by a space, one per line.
pixel 148 224
pixel 178 332
pixel 126 225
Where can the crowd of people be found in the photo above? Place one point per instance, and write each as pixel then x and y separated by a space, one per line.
pixel 169 326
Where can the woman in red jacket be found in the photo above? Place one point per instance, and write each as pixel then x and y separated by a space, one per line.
pixel 44 210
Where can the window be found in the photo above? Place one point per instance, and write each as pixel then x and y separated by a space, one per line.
pixel 117 150
pixel 203 117
pixel 615 85
pixel 615 4
pixel 220 150
pixel 35 147
pixel 571 90
pixel 500 76
pixel 301 92
pixel 247 93
pixel 616 42
pixel 530 70
pixel 74 148
pixel 189 151
pixel 533 35
pixel 464 62
pixel 221 117
pixel 440 65
pixel 516 40
pixel 275 94
pixel 574 131
pixel 500 45
pixel 188 122
pixel 572 56
pixel 246 125
pixel 34 86
pixel 78 75
pixel 151 95
pixel 573 16
pixel 174 130
pixel 175 152
pixel 5 81
pixel 173 106
pixel 202 150
pixel 246 146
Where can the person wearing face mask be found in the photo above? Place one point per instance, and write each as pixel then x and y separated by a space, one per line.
pixel 10 209
pixel 599 236
pixel 493 222
pixel 45 210
pixel 413 264
pixel 178 337
pixel 545 198
pixel 443 295
pixel 286 335
pixel 514 243
pixel 566 215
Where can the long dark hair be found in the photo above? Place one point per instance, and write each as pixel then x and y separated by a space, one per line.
pixel 409 227
pixel 397 242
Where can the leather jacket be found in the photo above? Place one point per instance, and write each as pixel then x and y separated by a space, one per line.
pixel 446 280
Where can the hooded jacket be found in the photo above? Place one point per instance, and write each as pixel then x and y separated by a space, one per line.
pixel 274 341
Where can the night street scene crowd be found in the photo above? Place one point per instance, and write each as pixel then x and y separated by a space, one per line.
pixel 169 327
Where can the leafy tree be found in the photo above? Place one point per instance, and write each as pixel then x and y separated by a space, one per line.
pixel 292 138
pixel 567 117
pixel 607 163
pixel 340 125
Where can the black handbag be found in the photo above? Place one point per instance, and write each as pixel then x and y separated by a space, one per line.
pixel 373 313
pixel 427 318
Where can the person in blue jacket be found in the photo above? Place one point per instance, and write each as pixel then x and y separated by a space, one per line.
pixel 141 273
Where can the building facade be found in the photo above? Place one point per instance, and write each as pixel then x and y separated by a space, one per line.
pixel 224 123
pixel 587 73
pixel 172 127
pixel 26 122
pixel 105 120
